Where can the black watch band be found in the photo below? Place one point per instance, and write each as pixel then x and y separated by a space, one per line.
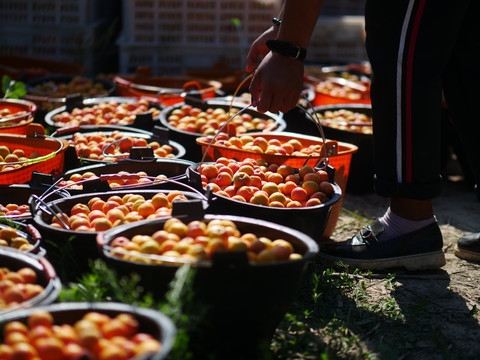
pixel 286 49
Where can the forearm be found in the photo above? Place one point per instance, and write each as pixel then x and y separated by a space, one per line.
pixel 298 21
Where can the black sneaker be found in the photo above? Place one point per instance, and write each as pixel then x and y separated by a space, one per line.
pixel 418 250
pixel 468 247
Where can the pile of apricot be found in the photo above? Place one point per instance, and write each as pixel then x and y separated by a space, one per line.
pixel 208 121
pixel 89 88
pixel 14 210
pixel 124 178
pixel 101 215
pixel 199 240
pixel 331 88
pixel 344 119
pixel 115 145
pixel 262 145
pixel 118 113
pixel 11 159
pixel 260 183
pixel 96 336
pixel 10 237
pixel 17 287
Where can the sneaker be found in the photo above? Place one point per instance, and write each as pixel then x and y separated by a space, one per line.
pixel 468 247
pixel 418 250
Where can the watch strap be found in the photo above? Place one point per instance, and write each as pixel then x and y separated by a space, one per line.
pixel 286 49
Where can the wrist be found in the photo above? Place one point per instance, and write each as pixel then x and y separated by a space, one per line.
pixel 287 49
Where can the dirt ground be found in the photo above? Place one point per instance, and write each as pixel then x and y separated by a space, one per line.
pixel 453 293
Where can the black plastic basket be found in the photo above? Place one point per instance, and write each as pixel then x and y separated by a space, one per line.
pixel 46 277
pixel 150 321
pixel 241 303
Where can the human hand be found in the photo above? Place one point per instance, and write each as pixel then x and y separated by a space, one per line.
pixel 259 48
pixel 277 83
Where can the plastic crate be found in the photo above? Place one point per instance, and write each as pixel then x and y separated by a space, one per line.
pixel 196 21
pixel 49 12
pixel 338 38
pixel 174 61
pixel 343 7
pixel 59 42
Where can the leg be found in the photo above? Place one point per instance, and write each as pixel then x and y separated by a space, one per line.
pixel 409 47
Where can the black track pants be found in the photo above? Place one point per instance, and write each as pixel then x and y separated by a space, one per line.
pixel 417 48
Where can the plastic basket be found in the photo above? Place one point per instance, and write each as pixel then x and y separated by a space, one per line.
pixel 54 91
pixel 340 162
pixel 229 291
pixel 29 232
pixel 83 243
pixel 173 169
pixel 46 277
pixel 362 167
pixel 150 321
pixel 144 154
pixel 188 139
pixel 17 124
pixel 166 90
pixel 52 153
pixel 140 120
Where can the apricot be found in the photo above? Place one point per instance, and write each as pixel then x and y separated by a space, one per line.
pixel 28 275
pixel 299 194
pixel 40 317
pixel 305 170
pixel 326 188
pixel 310 187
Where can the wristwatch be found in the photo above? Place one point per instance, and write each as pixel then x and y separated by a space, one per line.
pixel 286 49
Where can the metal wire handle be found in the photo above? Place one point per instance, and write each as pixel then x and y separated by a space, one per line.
pixel 40 158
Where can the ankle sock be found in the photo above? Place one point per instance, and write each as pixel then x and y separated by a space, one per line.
pixel 396 225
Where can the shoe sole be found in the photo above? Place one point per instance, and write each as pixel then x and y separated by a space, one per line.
pixel 429 261
pixel 466 255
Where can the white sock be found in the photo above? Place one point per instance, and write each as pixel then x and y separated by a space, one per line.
pixel 396 225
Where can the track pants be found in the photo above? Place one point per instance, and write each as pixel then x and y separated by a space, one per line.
pixel 417 48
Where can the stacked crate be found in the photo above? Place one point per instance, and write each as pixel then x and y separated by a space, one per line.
pixel 339 39
pixel 62 30
pixel 170 36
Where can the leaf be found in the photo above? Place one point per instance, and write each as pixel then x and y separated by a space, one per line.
pixel 13 89
pixel 236 22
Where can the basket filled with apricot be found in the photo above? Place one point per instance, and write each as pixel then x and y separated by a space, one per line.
pixel 115 110
pixel 158 173
pixel 81 330
pixel 20 155
pixel 26 281
pixel 189 120
pixel 301 198
pixel 22 237
pixel 75 221
pixel 111 144
pixel 246 271
pixel 15 115
pixel 351 123
pixel 50 92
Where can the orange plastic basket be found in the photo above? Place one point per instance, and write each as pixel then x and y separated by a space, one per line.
pixel 340 162
pixel 51 150
pixel 167 90
pixel 16 124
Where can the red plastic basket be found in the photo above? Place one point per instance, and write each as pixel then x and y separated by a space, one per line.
pixel 341 162
pixel 167 90
pixel 18 124
pixel 52 153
